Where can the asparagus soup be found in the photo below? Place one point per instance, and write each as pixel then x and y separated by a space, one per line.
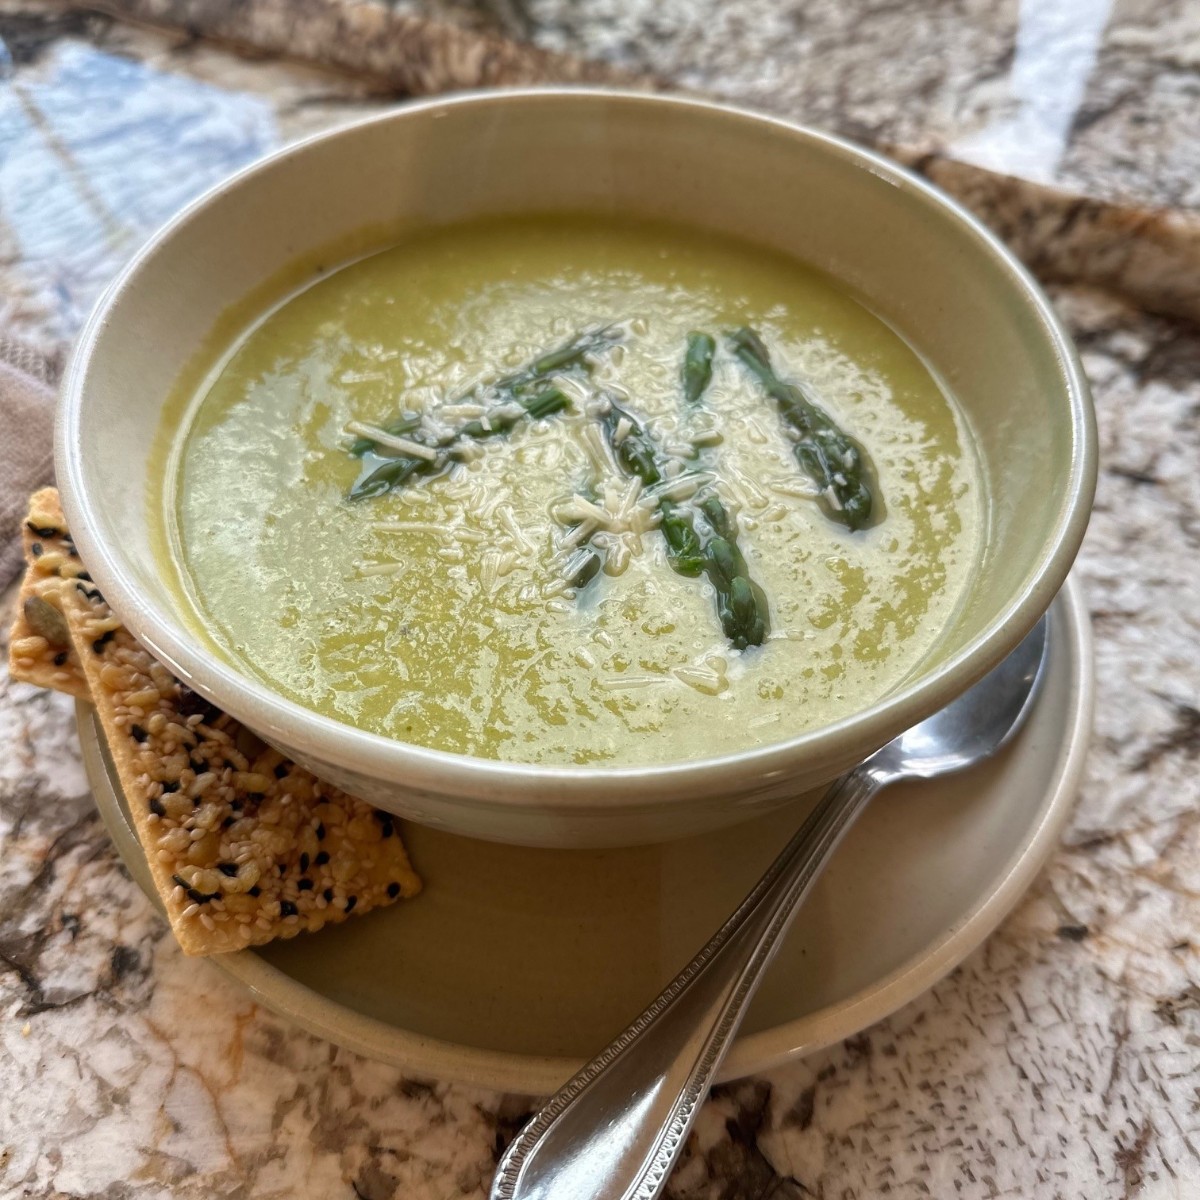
pixel 573 490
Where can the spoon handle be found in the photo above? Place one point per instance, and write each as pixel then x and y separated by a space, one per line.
pixel 615 1130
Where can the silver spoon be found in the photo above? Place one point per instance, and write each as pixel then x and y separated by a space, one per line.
pixel 615 1130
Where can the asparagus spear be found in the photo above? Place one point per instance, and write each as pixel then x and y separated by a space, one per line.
pixel 685 552
pixel 382 474
pixel 832 459
pixel 638 455
pixel 741 603
pixel 524 387
pixel 570 355
pixel 697 365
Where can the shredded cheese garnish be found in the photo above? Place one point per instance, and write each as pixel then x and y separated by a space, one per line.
pixel 679 488
pixel 461 412
pixel 509 521
pixel 703 680
pixel 596 447
pixel 577 534
pixel 367 569
pixel 751 490
pixel 458 532
pixel 793 487
pixel 766 719
pixel 467 450
pixel 755 432
pixel 489 571
pixel 613 523
pixel 633 681
pixel 401 445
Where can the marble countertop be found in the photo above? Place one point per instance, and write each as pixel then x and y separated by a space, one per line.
pixel 1061 1060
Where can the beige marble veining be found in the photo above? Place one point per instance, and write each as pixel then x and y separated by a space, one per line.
pixel 1059 1062
pixel 1096 96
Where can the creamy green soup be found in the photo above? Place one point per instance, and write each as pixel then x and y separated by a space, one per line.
pixel 450 610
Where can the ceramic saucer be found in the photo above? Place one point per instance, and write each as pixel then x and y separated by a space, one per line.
pixel 514 964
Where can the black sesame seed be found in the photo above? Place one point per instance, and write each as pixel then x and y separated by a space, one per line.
pixel 157 809
pixel 281 770
pixel 170 786
pixel 322 858
pixel 60 658
pixel 351 901
pixel 138 733
pixel 103 640
pixel 182 882
pixel 304 862
pixel 393 890
pixel 254 891
pixel 84 576
pixel 190 704
pixel 287 908
pixel 328 894
pixel 227 868
pixel 198 896
pixel 305 885
pixel 320 831
pixel 42 531
pixel 72 552
pixel 36 549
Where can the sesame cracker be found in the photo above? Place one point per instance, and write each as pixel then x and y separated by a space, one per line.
pixel 39 650
pixel 244 846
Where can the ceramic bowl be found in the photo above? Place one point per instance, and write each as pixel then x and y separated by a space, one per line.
pixel 917 259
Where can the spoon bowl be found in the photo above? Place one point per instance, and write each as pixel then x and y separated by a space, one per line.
pixel 976 725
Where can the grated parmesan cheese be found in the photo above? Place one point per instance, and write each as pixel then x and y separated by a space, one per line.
pixel 509 521
pixel 401 445
pixel 367 570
